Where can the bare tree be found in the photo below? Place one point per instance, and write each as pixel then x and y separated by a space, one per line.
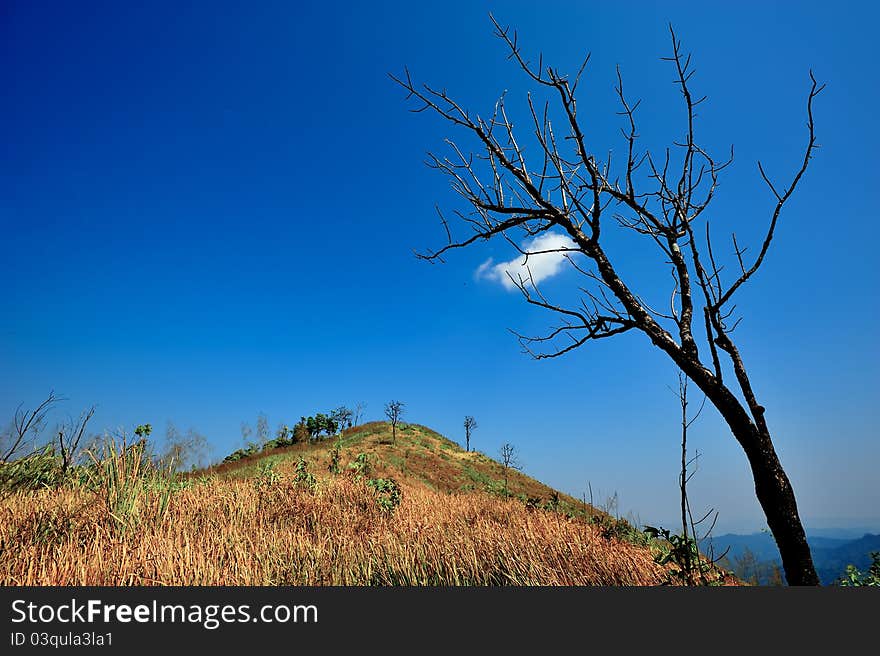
pixel 469 425
pixel 694 568
pixel 394 411
pixel 173 451
pixel 685 475
pixel 184 451
pixel 359 413
pixel 246 432
pixel 198 453
pixel 567 191
pixel 70 437
pixel 509 460
pixel 26 422
pixel 262 429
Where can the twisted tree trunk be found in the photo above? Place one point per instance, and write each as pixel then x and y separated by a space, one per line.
pixel 772 487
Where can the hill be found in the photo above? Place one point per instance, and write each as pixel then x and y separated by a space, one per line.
pixel 417 510
pixel 419 456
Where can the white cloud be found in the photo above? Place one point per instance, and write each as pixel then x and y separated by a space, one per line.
pixel 541 265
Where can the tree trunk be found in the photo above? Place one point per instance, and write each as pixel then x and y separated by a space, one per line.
pixel 772 486
pixel 776 497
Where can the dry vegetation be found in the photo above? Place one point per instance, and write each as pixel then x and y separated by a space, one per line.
pixel 281 518
pixel 231 533
pixel 238 532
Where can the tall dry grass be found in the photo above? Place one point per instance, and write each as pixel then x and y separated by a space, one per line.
pixel 234 532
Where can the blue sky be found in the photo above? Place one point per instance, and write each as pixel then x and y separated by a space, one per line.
pixel 210 211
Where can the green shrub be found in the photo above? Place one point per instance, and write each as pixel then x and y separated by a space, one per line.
pixel 388 493
pixel 613 527
pixel 268 475
pixel 235 455
pixel 530 502
pixel 302 475
pixel 334 466
pixel 360 466
pixel 854 578
pixel 553 502
pixel 690 567
pixel 249 450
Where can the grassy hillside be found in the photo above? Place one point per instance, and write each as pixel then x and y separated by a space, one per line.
pixel 283 518
pixel 419 456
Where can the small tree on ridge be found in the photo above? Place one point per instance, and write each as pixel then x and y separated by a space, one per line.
pixel 394 411
pixel 469 425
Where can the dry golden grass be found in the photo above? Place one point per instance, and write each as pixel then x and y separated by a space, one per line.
pixel 233 532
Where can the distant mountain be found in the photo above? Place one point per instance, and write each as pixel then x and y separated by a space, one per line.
pixel 851 533
pixel 831 562
pixel 761 545
pixel 831 555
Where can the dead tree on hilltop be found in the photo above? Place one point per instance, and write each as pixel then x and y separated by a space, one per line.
pixel 568 189
pixel 359 413
pixel 470 424
pixel 394 411
pixel 509 460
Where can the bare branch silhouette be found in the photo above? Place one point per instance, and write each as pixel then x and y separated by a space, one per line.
pixel 554 184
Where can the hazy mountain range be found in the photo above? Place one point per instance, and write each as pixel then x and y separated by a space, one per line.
pixel 833 550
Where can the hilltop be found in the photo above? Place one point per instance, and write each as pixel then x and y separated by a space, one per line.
pixel 419 456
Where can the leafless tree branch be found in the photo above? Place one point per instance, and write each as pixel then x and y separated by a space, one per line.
pixel 27 421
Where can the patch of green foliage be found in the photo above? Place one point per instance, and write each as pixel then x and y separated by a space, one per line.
pixel 531 503
pixel 614 527
pixel 130 483
pixel 268 475
pixel 478 476
pixel 284 437
pixel 360 466
pixel 320 423
pixel 497 488
pixel 39 470
pixel 334 467
pixel 553 502
pixel 855 578
pixel 307 429
pixel 396 461
pixel 388 493
pixel 689 566
pixel 302 476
